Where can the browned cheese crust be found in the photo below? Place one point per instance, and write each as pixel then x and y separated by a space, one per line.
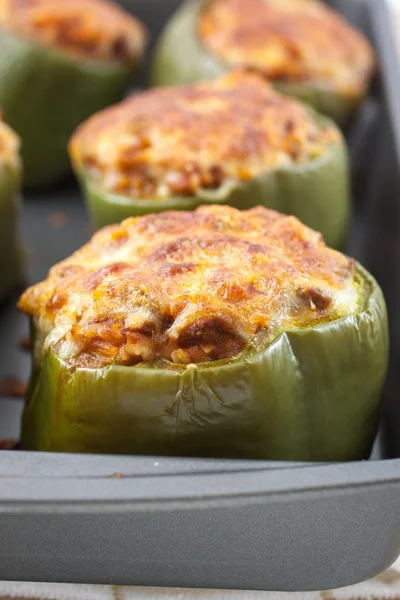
pixel 173 141
pixel 296 41
pixel 189 287
pixel 92 29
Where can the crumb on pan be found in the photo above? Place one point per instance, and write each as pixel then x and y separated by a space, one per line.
pixel 8 444
pixel 10 386
pixel 189 287
pixel 58 219
pixel 174 141
pixel 25 343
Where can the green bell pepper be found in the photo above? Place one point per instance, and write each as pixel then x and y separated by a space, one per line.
pixel 312 394
pixel 11 255
pixel 45 94
pixel 180 57
pixel 316 192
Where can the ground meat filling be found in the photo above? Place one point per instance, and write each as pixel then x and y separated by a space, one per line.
pixel 176 141
pixel 189 287
pixel 295 41
pixel 92 29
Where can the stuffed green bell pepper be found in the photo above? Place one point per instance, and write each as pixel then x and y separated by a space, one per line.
pixel 60 63
pixel 230 141
pixel 11 256
pixel 215 332
pixel 303 47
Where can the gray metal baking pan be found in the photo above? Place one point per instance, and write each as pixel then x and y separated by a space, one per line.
pixel 204 523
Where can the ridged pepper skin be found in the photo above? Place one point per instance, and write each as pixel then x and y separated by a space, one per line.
pixel 11 254
pixel 45 94
pixel 180 58
pixel 316 192
pixel 311 395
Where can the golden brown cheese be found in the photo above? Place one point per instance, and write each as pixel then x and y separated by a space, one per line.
pixel 9 145
pixel 173 141
pixel 189 287
pixel 94 29
pixel 296 41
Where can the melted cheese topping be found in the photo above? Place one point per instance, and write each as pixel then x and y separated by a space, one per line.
pixel 297 41
pixel 94 29
pixel 9 145
pixel 189 287
pixel 175 141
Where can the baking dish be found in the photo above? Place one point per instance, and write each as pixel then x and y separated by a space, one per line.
pixel 220 524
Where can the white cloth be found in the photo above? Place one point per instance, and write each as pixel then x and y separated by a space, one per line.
pixel 384 587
